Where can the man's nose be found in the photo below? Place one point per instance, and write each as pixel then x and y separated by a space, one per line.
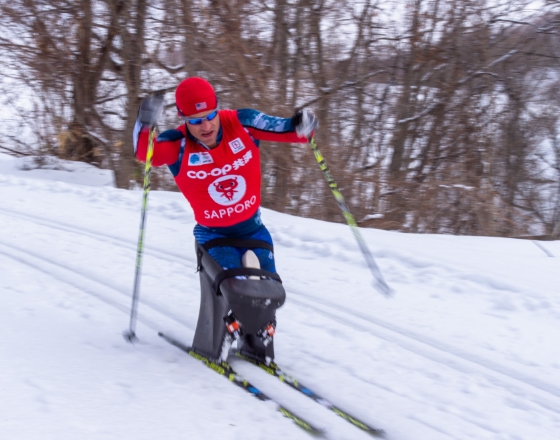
pixel 206 125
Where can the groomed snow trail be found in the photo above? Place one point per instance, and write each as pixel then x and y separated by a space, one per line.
pixel 466 349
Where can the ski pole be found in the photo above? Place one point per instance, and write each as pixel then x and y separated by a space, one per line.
pixel 150 109
pixel 130 335
pixel 379 283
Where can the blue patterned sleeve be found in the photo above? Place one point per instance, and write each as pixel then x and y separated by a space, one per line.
pixel 263 127
pixel 250 118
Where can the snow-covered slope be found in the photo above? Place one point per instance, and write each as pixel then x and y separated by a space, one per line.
pixel 467 349
pixel 50 168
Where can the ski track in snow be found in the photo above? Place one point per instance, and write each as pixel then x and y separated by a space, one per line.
pixel 518 384
pixel 334 311
pixel 405 338
pixel 88 283
pixel 79 280
pixel 440 352
pixel 109 238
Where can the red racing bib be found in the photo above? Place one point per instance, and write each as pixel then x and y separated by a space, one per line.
pixel 223 185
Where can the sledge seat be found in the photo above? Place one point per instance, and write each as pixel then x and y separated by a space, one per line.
pixel 252 302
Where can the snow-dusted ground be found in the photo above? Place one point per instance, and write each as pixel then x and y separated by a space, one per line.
pixel 468 348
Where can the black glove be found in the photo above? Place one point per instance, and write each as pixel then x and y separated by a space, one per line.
pixel 150 109
pixel 305 122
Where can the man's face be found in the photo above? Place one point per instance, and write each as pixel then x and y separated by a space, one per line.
pixel 207 132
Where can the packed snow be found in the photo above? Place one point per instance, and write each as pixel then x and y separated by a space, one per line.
pixel 467 348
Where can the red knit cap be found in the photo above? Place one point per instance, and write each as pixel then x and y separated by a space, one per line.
pixel 195 95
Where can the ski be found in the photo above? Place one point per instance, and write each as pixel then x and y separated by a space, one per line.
pixel 224 369
pixel 274 370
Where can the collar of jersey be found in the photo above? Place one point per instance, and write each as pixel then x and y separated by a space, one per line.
pixel 191 137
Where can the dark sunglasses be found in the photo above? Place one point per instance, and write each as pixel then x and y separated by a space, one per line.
pixel 198 121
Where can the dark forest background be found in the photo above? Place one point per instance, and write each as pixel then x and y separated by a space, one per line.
pixel 437 116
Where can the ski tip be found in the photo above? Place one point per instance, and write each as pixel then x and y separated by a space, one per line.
pixel 318 433
pixel 379 433
pixel 310 429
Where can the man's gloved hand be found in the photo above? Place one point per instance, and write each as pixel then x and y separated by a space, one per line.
pixel 305 122
pixel 148 115
pixel 150 109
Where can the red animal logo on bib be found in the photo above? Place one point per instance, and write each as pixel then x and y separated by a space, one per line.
pixel 228 190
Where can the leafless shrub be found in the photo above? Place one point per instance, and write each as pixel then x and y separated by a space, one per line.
pixel 436 116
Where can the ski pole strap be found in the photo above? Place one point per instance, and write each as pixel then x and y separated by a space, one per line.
pixel 241 271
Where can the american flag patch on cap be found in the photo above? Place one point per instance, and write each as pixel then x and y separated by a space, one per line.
pixel 200 106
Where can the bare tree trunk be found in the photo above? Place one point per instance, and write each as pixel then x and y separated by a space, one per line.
pixel 396 215
pixel 442 124
pixel 132 34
